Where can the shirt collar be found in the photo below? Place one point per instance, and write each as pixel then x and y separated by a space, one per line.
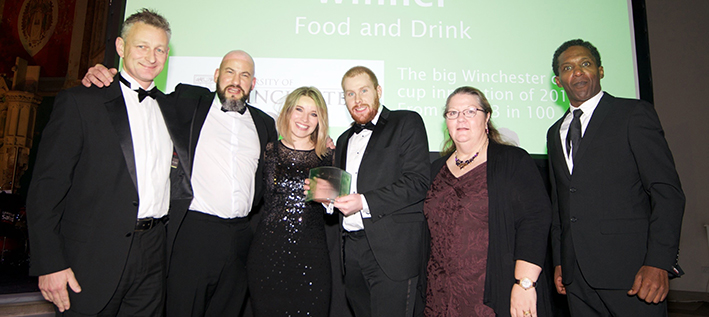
pixel 376 117
pixel 134 83
pixel 589 105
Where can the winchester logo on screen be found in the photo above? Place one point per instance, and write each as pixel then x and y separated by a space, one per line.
pixel 421 3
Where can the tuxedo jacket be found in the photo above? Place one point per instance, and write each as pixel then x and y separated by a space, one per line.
pixel 622 207
pixel 191 105
pixel 394 177
pixel 83 200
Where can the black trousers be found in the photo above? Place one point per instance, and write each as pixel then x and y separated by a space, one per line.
pixel 141 289
pixel 369 291
pixel 585 300
pixel 207 273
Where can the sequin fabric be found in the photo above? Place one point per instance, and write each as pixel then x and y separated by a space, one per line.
pixel 288 265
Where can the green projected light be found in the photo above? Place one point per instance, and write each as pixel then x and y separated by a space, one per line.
pixel 420 49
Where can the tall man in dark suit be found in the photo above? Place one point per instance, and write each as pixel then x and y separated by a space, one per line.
pixel 101 186
pixel 387 154
pixel 617 198
pixel 223 139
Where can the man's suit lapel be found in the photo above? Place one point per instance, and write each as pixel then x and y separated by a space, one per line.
pixel 116 107
pixel 558 153
pixel 200 115
pixel 176 131
pixel 376 133
pixel 260 127
pixel 342 148
pixel 599 114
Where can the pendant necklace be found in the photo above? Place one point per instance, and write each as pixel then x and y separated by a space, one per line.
pixel 462 164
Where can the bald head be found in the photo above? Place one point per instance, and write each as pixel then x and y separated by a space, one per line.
pixel 235 79
pixel 241 56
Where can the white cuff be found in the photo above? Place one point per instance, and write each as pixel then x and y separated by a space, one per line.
pixel 365 207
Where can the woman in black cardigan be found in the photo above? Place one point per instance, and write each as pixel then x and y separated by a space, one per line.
pixel 489 216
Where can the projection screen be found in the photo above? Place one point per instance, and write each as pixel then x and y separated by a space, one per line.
pixel 420 50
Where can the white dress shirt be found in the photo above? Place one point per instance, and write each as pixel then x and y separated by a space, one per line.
pixel 355 151
pixel 152 151
pixel 587 107
pixel 225 163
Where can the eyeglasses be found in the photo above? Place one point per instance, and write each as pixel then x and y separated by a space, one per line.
pixel 468 113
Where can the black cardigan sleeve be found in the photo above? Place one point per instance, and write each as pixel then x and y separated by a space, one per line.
pixel 519 218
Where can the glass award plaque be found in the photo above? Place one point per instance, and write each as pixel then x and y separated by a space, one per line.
pixel 328 183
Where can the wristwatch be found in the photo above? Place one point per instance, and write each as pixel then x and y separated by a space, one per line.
pixel 526 283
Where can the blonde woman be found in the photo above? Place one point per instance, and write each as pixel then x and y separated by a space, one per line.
pixel 288 265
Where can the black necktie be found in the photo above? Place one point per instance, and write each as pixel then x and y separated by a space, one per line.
pixel 359 127
pixel 574 136
pixel 142 93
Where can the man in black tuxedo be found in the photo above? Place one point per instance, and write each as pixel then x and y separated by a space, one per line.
pixel 100 191
pixel 224 139
pixel 387 154
pixel 617 198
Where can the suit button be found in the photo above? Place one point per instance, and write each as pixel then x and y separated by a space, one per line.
pixel 573 219
pixel 381 216
pixel 572 190
pixel 135 203
pixel 129 234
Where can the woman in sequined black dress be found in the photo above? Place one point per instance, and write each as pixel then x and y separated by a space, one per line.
pixel 288 264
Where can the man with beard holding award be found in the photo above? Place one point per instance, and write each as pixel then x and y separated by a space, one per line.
pixel 386 152
pixel 209 242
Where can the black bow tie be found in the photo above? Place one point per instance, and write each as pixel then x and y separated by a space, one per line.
pixel 142 93
pixel 359 127
pixel 239 110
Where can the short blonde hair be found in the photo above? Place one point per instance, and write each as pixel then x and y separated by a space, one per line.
pixel 149 17
pixel 319 136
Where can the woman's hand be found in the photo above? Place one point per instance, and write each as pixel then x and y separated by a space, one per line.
pixel 523 303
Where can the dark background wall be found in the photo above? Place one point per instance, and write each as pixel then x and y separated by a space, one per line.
pixel 679 54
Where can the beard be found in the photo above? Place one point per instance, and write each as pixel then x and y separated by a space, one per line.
pixel 369 116
pixel 230 104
